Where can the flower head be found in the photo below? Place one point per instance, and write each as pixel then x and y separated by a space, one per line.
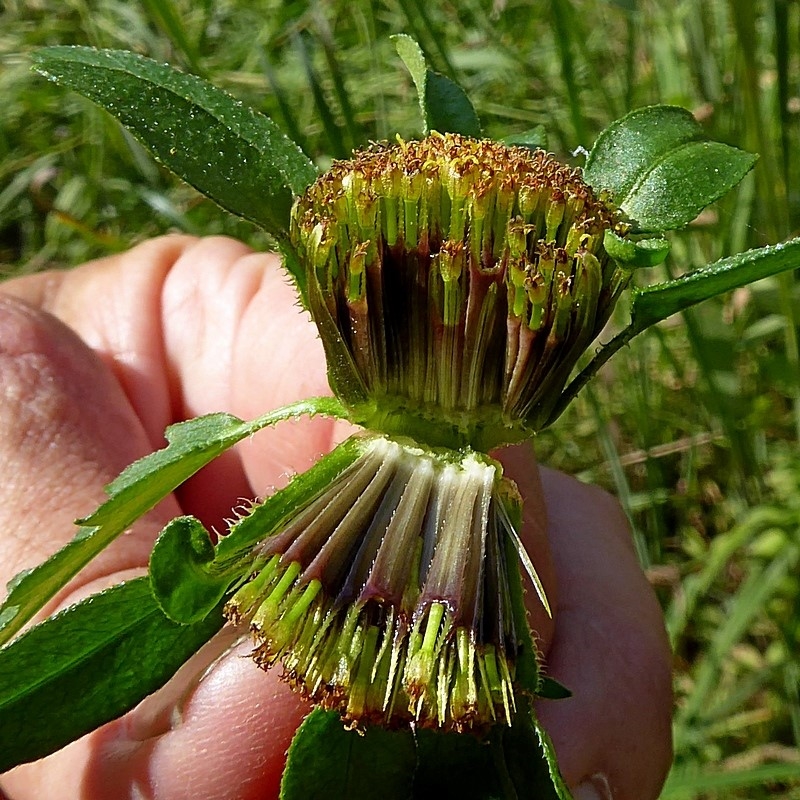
pixel 455 283
pixel 387 595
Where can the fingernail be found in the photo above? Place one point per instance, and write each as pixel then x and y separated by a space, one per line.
pixel 162 711
pixel 596 788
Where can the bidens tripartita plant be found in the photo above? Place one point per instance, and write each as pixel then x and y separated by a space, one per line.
pixel 456 283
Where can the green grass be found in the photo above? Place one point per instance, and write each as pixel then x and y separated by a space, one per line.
pixel 694 427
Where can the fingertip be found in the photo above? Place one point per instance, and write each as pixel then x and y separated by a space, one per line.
pixel 610 649
pixel 227 738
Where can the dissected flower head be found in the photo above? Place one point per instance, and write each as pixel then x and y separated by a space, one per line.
pixel 455 283
pixel 387 595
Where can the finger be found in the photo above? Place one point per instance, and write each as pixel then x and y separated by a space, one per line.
pixel 609 647
pixel 114 305
pixel 193 326
pixel 66 430
pixel 263 347
pixel 210 734
pixel 162 315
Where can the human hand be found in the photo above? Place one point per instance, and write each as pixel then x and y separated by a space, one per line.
pixel 179 327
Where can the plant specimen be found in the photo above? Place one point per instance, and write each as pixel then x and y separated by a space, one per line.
pixel 456 283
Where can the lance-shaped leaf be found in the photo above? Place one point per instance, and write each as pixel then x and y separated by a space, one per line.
pixel 233 154
pixel 189 576
pixel 139 488
pixel 445 106
pixel 655 303
pixel 87 665
pixel 661 168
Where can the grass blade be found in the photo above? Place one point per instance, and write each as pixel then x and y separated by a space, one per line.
pixel 332 129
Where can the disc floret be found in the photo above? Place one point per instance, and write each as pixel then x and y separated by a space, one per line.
pixel 454 283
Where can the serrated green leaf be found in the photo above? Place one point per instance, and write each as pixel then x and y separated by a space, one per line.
pixel 118 643
pixel 531 760
pixel 231 153
pixel 660 167
pixel 139 488
pixel 182 576
pixel 444 105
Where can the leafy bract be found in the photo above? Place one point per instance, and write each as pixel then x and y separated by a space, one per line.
pixel 330 763
pixel 636 253
pixel 268 516
pixel 660 167
pixel 653 304
pixel 182 577
pixel 87 665
pixel 233 154
pixel 189 576
pixel 327 762
pixel 139 488
pixel 445 106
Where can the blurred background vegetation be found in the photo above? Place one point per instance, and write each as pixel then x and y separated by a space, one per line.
pixel 695 427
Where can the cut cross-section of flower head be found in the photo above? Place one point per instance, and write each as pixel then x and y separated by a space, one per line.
pixel 387 595
pixel 455 283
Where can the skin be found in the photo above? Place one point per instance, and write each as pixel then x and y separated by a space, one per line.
pixel 95 362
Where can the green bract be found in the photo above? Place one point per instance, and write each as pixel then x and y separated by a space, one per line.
pixel 456 283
